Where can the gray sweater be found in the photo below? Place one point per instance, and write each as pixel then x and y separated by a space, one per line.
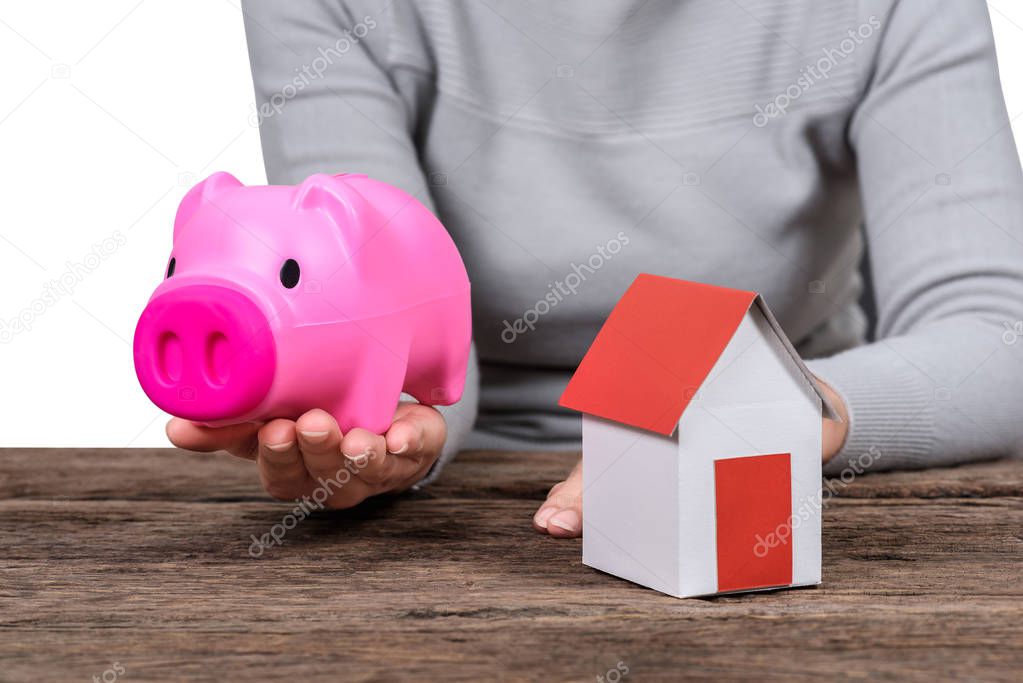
pixel 756 144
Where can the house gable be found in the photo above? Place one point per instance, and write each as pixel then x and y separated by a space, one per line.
pixel 755 367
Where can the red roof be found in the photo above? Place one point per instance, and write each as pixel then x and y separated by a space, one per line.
pixel 655 350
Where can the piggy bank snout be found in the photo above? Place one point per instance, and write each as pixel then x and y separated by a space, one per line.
pixel 204 352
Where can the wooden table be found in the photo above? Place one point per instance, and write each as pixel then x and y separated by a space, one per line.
pixel 136 566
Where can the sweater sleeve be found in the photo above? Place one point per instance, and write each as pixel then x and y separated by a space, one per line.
pixel 326 102
pixel 943 201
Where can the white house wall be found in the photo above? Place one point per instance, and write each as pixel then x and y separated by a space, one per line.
pixel 754 402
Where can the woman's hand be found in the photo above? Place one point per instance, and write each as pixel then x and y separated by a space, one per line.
pixel 833 433
pixel 294 455
pixel 561 515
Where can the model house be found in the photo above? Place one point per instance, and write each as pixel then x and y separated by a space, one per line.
pixel 701 444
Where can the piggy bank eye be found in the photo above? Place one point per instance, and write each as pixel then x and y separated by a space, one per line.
pixel 290 273
pixel 170 266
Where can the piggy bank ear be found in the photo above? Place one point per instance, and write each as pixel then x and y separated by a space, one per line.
pixel 204 191
pixel 348 209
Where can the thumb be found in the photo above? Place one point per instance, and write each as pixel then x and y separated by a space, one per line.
pixel 416 429
pixel 239 440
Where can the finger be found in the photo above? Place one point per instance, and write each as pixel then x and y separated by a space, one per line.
pixel 371 462
pixel 281 468
pixel 319 440
pixel 239 440
pixel 406 436
pixel 407 441
pixel 561 515
pixel 421 427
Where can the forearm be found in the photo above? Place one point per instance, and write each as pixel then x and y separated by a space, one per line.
pixel 943 203
pixel 944 394
pixel 326 100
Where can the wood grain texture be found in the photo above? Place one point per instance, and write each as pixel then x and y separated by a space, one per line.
pixel 142 558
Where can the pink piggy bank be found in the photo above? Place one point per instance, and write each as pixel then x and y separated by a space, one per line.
pixel 337 294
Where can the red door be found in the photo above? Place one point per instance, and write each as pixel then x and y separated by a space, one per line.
pixel 753 501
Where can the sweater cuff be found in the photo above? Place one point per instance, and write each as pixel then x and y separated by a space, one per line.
pixel 459 424
pixel 890 405
pixel 460 418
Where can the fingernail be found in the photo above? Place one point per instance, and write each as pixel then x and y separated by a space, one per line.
pixel 567 520
pixel 280 446
pixel 358 457
pixel 400 450
pixel 543 515
pixel 315 436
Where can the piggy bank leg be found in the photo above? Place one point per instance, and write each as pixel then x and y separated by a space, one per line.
pixel 444 385
pixel 440 358
pixel 372 395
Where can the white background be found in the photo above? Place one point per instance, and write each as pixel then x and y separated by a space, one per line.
pixel 109 111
